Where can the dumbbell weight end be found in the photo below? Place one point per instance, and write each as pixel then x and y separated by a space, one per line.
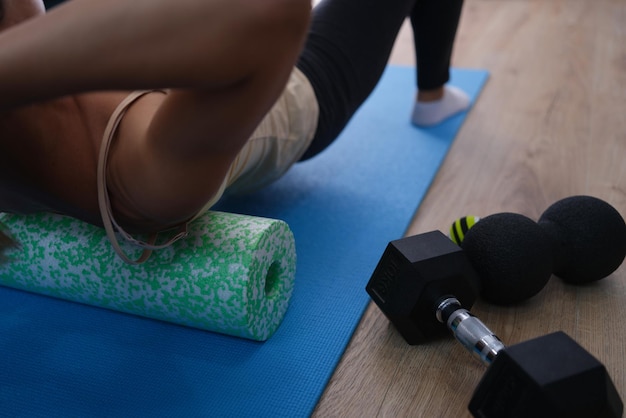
pixel 412 276
pixel 549 376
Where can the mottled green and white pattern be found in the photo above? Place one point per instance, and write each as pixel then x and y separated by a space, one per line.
pixel 233 274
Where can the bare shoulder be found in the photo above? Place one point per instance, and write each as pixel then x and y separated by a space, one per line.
pixel 51 164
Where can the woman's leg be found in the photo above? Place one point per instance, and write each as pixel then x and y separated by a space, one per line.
pixel 434 25
pixel 346 52
pixel 51 3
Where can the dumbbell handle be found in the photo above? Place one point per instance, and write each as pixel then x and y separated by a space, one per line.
pixel 469 330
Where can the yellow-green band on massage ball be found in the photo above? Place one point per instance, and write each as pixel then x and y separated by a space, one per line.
pixel 233 274
pixel 459 228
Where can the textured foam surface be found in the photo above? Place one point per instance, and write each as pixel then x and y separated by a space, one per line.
pixel 62 359
pixel 215 279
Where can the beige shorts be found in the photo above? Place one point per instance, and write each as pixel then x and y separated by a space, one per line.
pixel 277 143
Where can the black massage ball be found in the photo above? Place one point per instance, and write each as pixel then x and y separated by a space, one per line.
pixel 588 238
pixel 512 256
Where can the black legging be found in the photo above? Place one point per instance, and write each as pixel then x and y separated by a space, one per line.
pixel 348 48
pixel 51 3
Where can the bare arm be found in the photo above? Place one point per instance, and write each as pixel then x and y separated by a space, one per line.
pixel 87 45
pixel 227 61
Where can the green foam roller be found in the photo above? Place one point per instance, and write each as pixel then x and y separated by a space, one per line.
pixel 233 274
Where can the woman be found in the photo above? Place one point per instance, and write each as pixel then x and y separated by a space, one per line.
pixel 134 114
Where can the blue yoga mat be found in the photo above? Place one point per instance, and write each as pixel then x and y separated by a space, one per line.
pixel 63 359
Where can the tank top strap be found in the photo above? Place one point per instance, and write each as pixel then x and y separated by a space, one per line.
pixel 111 227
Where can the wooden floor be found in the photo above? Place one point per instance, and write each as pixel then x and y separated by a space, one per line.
pixel 550 123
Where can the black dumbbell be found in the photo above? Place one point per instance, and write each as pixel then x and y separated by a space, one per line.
pixel 422 282
pixel 419 283
pixel 580 239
